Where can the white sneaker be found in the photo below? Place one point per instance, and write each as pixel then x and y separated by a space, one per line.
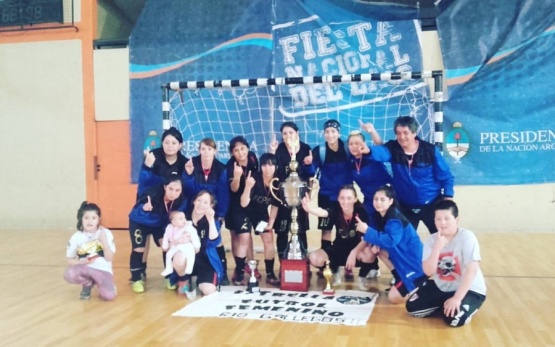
pixel 363 283
pixel 166 272
pixel 192 295
pixel 374 273
pixel 337 277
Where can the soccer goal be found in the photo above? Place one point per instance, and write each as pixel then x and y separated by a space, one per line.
pixel 255 108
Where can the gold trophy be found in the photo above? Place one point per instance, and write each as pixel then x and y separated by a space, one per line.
pixel 295 269
pixel 328 275
pixel 293 191
pixel 90 250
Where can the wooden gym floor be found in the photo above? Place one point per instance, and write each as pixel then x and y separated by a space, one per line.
pixel 37 307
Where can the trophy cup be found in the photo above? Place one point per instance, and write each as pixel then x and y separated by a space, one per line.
pixel 90 250
pixel 328 275
pixel 253 286
pixel 295 271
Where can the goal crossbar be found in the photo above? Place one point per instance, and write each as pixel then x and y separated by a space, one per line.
pixel 436 75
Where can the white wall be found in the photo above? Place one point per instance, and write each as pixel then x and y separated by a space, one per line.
pixel 42 172
pixel 522 208
pixel 111 84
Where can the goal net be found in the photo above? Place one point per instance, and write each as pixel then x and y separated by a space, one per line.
pixel 255 108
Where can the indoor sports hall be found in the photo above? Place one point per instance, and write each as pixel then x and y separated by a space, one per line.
pixel 87 89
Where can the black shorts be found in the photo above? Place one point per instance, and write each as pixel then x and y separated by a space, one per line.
pixel 428 300
pixel 139 232
pixel 254 221
pixel 338 257
pixel 325 203
pixel 237 222
pixel 205 272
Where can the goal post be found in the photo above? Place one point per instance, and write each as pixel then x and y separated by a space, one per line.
pixel 255 108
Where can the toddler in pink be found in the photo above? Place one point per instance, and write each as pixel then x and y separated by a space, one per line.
pixel 172 244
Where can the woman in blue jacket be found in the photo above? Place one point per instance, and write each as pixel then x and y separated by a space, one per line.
pixel 369 175
pixel 208 268
pixel 394 240
pixel 331 164
pixel 205 172
pixel 161 163
pixel 150 216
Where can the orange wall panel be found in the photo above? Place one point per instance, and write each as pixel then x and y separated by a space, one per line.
pixel 116 194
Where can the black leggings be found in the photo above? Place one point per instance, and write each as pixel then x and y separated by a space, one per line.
pixel 429 299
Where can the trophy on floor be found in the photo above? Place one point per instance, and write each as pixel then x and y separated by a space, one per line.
pixel 328 290
pixel 253 286
pixel 295 271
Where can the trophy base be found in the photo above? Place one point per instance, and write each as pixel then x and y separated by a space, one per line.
pixel 295 275
pixel 253 288
pixel 328 292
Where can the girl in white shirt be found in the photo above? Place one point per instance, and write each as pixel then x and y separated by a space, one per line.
pixel 90 251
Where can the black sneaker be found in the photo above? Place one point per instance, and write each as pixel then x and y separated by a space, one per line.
pixel 237 278
pixel 85 293
pixel 225 280
pixel 272 279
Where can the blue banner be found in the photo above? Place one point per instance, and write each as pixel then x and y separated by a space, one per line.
pixel 219 40
pixel 499 116
pixel 319 38
pixel 176 40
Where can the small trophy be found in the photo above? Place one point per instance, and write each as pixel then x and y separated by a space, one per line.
pixel 90 250
pixel 253 286
pixel 327 275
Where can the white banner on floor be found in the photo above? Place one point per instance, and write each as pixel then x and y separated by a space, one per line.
pixel 347 307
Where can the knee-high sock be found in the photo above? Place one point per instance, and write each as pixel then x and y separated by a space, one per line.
pixel 136 265
pixel 269 266
pixel 281 242
pixel 240 264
